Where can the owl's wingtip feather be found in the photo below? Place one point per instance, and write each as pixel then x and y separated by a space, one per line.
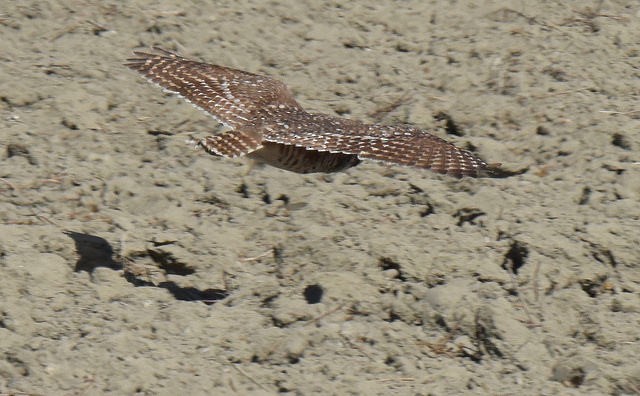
pixel 496 171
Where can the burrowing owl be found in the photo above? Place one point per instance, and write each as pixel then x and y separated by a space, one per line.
pixel 269 125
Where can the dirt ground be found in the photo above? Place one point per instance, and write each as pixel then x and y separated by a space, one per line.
pixel 133 264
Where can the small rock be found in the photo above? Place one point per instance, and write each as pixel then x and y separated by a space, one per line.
pixel 295 347
pixel 572 372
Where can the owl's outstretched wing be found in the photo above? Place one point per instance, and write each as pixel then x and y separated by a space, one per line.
pixel 233 97
pixel 394 144
pixel 416 148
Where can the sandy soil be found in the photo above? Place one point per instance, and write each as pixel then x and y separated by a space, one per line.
pixel 133 264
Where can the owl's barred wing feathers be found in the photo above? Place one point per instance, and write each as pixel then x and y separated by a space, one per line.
pixel 233 97
pixel 413 147
pixel 398 144
pixel 269 124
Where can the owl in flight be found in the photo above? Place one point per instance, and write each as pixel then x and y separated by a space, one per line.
pixel 268 124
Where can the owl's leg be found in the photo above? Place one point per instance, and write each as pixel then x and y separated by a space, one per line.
pixel 232 144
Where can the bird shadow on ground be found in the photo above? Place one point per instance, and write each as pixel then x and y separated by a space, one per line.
pixel 94 251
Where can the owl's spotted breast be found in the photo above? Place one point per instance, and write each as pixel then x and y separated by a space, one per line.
pixel 302 160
